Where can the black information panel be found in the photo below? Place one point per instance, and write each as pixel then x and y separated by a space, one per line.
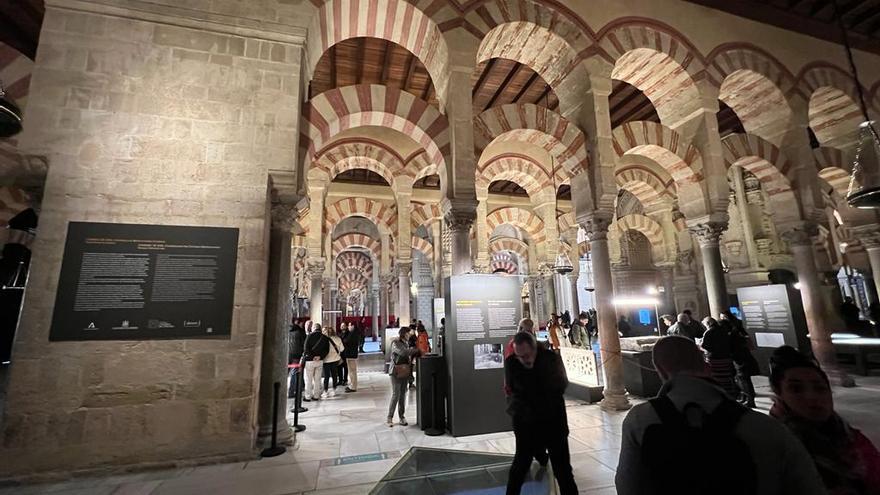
pixel 774 316
pixel 136 282
pixel 482 313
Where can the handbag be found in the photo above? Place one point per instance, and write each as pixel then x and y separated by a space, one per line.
pixel 402 371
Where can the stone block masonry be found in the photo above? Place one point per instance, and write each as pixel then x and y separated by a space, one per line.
pixel 147 122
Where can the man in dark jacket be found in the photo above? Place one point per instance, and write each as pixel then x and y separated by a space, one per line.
pixel 352 340
pixel 537 380
pixel 294 354
pixel 315 349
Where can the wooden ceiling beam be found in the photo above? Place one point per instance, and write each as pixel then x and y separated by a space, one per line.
pixel 410 68
pixel 865 17
pixel 485 75
pixel 526 87
pixel 333 66
pixel 427 91
pixel 510 75
pixel 385 56
pixel 361 51
pixel 543 95
pixel 792 21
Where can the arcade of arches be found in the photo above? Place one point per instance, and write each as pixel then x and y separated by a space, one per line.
pixel 366 149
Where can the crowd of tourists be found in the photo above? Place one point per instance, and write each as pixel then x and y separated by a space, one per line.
pixel 695 437
pixel 326 358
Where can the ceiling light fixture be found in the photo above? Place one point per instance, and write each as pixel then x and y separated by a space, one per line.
pixel 864 182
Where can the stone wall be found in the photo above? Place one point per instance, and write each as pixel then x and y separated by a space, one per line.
pixel 148 122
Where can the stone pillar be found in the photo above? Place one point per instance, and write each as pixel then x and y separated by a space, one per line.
pixel 460 216
pixel 315 270
pixel 437 236
pixel 667 277
pixel 549 283
pixel 482 261
pixel 376 307
pixel 743 208
pixel 708 234
pixel 800 241
pixel 273 365
pixel 573 283
pixel 596 227
pixel 404 269
pixel 383 303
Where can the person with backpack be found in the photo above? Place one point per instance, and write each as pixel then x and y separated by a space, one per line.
pixel 744 362
pixel 692 439
pixel 331 362
pixel 352 340
pixel 316 348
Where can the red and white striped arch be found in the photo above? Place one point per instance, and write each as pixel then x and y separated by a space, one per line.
pixel 501 244
pixel 536 125
pixel 833 168
pixel 355 240
pixel 350 154
pixel 754 84
pixel 384 216
pixel 766 162
pixel 418 166
pixel 337 110
pixel 423 246
pixel 504 260
pixel 514 167
pixel 833 112
pixel 351 280
pixel 657 60
pixel 424 214
pixel 647 227
pixel 645 184
pixel 525 220
pixel 397 21
pixel 354 260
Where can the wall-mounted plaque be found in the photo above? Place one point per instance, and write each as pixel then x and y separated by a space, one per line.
pixel 774 316
pixel 137 282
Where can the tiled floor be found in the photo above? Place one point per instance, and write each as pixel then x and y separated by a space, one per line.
pixel 352 425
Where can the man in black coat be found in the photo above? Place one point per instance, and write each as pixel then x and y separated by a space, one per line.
pixel 294 355
pixel 537 380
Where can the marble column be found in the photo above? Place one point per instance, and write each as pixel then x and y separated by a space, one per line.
pixel 273 365
pixel 404 270
pixel 460 216
pixel 573 283
pixel 800 241
pixel 549 283
pixel 708 235
pixel 743 208
pixel 667 277
pixel 596 227
pixel 437 238
pixel 482 260
pixel 376 308
pixel 315 270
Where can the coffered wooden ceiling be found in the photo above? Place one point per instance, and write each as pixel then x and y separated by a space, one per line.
pixel 812 17
pixel 20 22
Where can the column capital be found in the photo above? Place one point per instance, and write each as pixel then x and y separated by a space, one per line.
pixel 315 268
pixel 459 214
pixel 404 268
pixel 595 224
pixel 708 233
pixel 572 276
pixel 868 235
pixel 284 216
pixel 801 235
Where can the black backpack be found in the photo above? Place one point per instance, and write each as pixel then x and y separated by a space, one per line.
pixel 707 460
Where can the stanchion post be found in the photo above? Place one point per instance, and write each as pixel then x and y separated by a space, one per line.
pixel 297 400
pixel 274 449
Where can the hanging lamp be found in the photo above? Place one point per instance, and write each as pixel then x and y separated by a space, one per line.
pixel 10 115
pixel 864 181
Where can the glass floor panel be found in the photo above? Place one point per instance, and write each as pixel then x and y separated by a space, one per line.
pixel 439 472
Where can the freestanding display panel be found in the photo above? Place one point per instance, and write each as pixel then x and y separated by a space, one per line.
pixel 774 316
pixel 482 312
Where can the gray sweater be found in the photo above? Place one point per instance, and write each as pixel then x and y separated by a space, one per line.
pixel 783 465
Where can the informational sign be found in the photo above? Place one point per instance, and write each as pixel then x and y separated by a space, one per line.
pixel 482 313
pixel 774 316
pixel 137 282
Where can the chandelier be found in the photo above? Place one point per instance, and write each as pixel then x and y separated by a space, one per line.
pixel 864 181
